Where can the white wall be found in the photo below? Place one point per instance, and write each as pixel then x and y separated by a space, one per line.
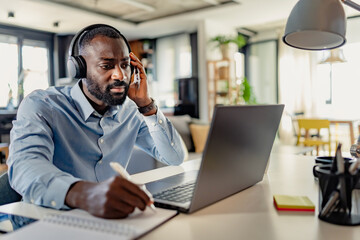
pixel 352 31
pixel 268 34
pixel 203 111
pixel 345 79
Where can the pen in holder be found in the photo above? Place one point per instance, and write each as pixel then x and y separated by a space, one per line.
pixel 336 185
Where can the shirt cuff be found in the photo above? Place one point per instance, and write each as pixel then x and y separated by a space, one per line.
pixel 57 190
pixel 156 122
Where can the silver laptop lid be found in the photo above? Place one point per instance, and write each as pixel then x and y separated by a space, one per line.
pixel 236 152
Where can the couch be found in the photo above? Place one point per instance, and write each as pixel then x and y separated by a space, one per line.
pixel 192 131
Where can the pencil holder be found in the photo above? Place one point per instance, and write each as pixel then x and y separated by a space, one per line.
pixel 326 160
pixel 337 202
pixel 329 159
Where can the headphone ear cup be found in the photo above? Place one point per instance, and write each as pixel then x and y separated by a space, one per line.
pixel 132 69
pixel 76 66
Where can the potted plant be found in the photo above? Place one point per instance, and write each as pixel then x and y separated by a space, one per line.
pixel 223 41
pixel 243 93
pixel 246 92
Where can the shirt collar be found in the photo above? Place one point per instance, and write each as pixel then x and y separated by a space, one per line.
pixel 83 105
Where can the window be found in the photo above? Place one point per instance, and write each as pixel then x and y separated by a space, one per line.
pixel 25 64
pixel 35 66
pixel 262 70
pixel 340 83
pixel 173 61
pixel 9 66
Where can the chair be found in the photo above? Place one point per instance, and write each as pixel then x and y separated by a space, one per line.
pixel 317 140
pixel 7 194
pixel 199 133
pixel 4 151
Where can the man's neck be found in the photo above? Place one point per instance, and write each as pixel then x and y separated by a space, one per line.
pixel 98 105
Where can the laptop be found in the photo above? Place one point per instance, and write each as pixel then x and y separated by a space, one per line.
pixel 235 156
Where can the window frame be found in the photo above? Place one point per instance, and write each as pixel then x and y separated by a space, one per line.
pixel 23 34
pixel 246 52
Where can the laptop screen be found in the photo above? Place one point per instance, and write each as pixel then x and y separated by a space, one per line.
pixel 236 152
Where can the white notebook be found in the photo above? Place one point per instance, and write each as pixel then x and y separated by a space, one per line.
pixel 78 224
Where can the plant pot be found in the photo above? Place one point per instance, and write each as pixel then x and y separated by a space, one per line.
pixel 224 48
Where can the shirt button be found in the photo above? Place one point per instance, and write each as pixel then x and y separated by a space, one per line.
pixel 160 121
pixel 100 162
pixel 172 144
pixel 53 203
pixel 32 201
pixel 101 140
pixel 153 124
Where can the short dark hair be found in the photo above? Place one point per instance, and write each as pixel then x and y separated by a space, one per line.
pixel 106 31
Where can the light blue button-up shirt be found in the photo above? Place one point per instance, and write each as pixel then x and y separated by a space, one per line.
pixel 58 139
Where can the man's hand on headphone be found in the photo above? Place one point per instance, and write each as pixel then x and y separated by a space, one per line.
pixel 138 92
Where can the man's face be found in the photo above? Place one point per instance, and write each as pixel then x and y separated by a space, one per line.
pixel 108 70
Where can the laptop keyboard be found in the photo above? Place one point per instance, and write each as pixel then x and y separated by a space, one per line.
pixel 181 194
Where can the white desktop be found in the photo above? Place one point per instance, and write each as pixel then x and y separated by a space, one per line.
pixel 249 214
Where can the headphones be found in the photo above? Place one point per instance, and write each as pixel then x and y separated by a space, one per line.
pixel 76 65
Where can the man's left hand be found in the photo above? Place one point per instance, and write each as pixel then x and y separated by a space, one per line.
pixel 138 92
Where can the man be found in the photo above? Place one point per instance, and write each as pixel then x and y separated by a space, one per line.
pixel 65 137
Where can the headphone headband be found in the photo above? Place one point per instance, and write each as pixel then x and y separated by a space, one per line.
pixel 77 64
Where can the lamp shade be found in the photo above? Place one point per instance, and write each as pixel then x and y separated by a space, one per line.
pixel 316 25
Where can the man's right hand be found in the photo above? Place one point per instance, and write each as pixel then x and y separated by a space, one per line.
pixel 114 198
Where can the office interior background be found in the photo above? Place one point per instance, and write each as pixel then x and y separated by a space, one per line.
pixel 173 40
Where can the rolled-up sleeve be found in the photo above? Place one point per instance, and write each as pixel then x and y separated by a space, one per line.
pixel 164 142
pixel 31 171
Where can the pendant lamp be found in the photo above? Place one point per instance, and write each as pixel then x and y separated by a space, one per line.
pixel 316 25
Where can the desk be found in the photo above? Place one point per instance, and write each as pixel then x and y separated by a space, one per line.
pixel 249 214
pixel 291 149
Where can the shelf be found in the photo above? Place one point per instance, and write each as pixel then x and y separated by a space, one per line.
pixel 222 94
pixel 144 50
pixel 221 78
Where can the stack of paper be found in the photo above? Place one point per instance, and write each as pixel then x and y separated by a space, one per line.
pixel 293 203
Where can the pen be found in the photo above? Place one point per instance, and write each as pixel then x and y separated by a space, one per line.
pixel 341 170
pixel 339 160
pixel 122 172
pixel 333 182
pixel 330 203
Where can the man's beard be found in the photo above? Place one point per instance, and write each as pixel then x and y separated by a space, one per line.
pixel 108 97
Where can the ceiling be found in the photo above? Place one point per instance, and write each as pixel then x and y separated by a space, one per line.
pixel 137 11
pixel 144 18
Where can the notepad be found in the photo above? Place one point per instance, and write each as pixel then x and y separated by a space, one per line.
pixel 293 203
pixel 78 224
